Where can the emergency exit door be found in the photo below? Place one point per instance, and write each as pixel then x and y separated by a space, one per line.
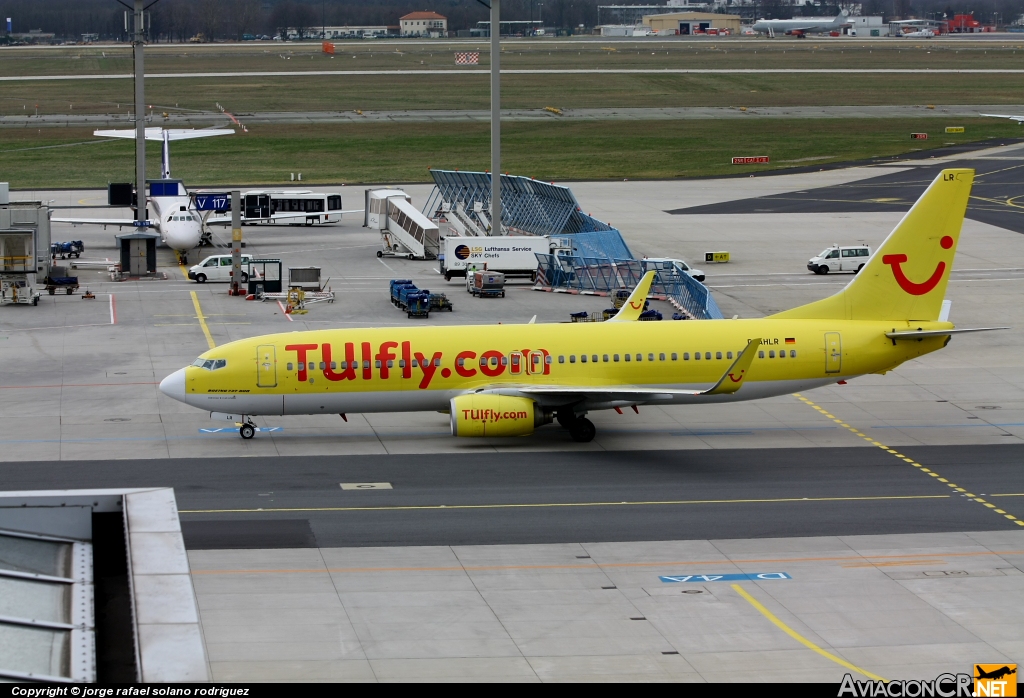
pixel 266 366
pixel 833 352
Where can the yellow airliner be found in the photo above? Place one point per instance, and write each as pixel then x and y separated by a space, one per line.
pixel 506 380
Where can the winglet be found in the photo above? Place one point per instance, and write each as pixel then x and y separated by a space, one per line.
pixel 634 305
pixel 732 380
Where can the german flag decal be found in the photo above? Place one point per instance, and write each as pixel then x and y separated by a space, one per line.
pixel 790 340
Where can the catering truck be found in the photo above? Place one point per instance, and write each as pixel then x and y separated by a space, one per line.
pixel 511 255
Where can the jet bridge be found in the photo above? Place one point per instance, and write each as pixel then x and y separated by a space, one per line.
pixel 405 232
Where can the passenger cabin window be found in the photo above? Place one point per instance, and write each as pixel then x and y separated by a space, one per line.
pixel 675 357
pixel 686 356
pixel 728 355
pixel 696 356
pixel 718 354
pixel 290 367
pixel 583 358
pixel 561 359
pixel 771 354
pixel 760 354
pixel 707 355
pixel 572 358
pixel 661 357
pixel 650 357
pixel 792 353
pixel 628 357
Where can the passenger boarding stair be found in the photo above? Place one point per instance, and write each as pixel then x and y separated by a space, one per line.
pixel 417 233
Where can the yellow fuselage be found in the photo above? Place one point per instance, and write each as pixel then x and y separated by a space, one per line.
pixel 422 368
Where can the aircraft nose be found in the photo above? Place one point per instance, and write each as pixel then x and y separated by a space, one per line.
pixel 174 385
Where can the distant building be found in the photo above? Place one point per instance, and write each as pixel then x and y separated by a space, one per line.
pixel 692 22
pixel 424 24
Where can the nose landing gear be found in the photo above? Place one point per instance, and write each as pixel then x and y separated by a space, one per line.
pixel 247 429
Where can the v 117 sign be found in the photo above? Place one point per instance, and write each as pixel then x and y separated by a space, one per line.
pixel 213 202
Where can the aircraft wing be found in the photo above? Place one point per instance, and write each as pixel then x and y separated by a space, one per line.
pixel 120 222
pixel 1018 119
pixel 730 382
pixel 157 133
pixel 226 220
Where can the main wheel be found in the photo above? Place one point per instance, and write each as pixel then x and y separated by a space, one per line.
pixel 582 430
pixel 247 431
pixel 823 269
pixel 200 278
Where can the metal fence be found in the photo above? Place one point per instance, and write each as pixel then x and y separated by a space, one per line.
pixel 602 275
pixel 601 261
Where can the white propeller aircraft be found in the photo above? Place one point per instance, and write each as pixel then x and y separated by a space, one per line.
pixel 168 202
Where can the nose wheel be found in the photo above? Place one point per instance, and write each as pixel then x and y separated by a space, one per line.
pixel 247 430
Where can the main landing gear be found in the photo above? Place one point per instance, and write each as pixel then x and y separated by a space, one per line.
pixel 581 429
pixel 247 429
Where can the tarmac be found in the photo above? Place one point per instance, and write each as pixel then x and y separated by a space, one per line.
pixel 199 119
pixel 892 504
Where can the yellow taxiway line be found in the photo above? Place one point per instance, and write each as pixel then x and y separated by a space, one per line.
pixel 202 320
pixel 921 468
pixel 800 638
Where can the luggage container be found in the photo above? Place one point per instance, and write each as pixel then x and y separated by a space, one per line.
pixel 487 283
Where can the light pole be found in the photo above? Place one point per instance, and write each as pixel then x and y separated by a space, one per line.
pixel 495 117
pixel 140 114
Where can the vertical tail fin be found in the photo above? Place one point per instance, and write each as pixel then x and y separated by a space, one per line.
pixel 906 277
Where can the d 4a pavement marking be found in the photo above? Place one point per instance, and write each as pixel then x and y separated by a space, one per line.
pixel 914 463
pixel 732 577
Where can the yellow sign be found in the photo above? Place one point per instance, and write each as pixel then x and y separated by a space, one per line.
pixel 954 129
pixel 236 235
pixel 716 256
pixel 995 680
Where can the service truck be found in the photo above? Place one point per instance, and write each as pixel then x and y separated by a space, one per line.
pixel 511 255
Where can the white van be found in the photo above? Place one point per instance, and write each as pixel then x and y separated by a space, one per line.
pixel 218 268
pixel 840 258
pixel 678 265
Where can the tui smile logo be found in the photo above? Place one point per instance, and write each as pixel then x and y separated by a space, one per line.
pixel 911 287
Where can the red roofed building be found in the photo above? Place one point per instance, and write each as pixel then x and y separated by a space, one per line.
pixel 424 24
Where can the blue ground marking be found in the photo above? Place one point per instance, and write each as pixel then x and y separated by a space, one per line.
pixel 751 577
pixel 234 430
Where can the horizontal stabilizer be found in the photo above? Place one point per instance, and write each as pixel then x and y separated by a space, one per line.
pixel 921 334
pixel 157 134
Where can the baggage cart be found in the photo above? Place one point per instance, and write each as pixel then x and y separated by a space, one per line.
pixel 487 284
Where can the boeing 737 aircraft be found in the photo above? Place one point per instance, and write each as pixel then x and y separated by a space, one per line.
pixel 180 228
pixel 506 380
pixel 800 26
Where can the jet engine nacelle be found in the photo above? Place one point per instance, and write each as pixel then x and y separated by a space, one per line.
pixel 486 414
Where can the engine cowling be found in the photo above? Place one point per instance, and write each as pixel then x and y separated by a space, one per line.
pixel 481 414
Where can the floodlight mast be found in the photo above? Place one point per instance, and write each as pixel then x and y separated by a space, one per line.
pixel 140 113
pixel 495 117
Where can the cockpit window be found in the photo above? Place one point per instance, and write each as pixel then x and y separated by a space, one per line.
pixel 210 364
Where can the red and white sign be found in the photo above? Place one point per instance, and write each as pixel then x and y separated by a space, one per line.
pixel 919 136
pixel 467 58
pixel 750 160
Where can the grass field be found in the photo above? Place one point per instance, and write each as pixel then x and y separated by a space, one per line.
pixel 403 152
pixel 400 92
pixel 736 52
pixel 243 95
